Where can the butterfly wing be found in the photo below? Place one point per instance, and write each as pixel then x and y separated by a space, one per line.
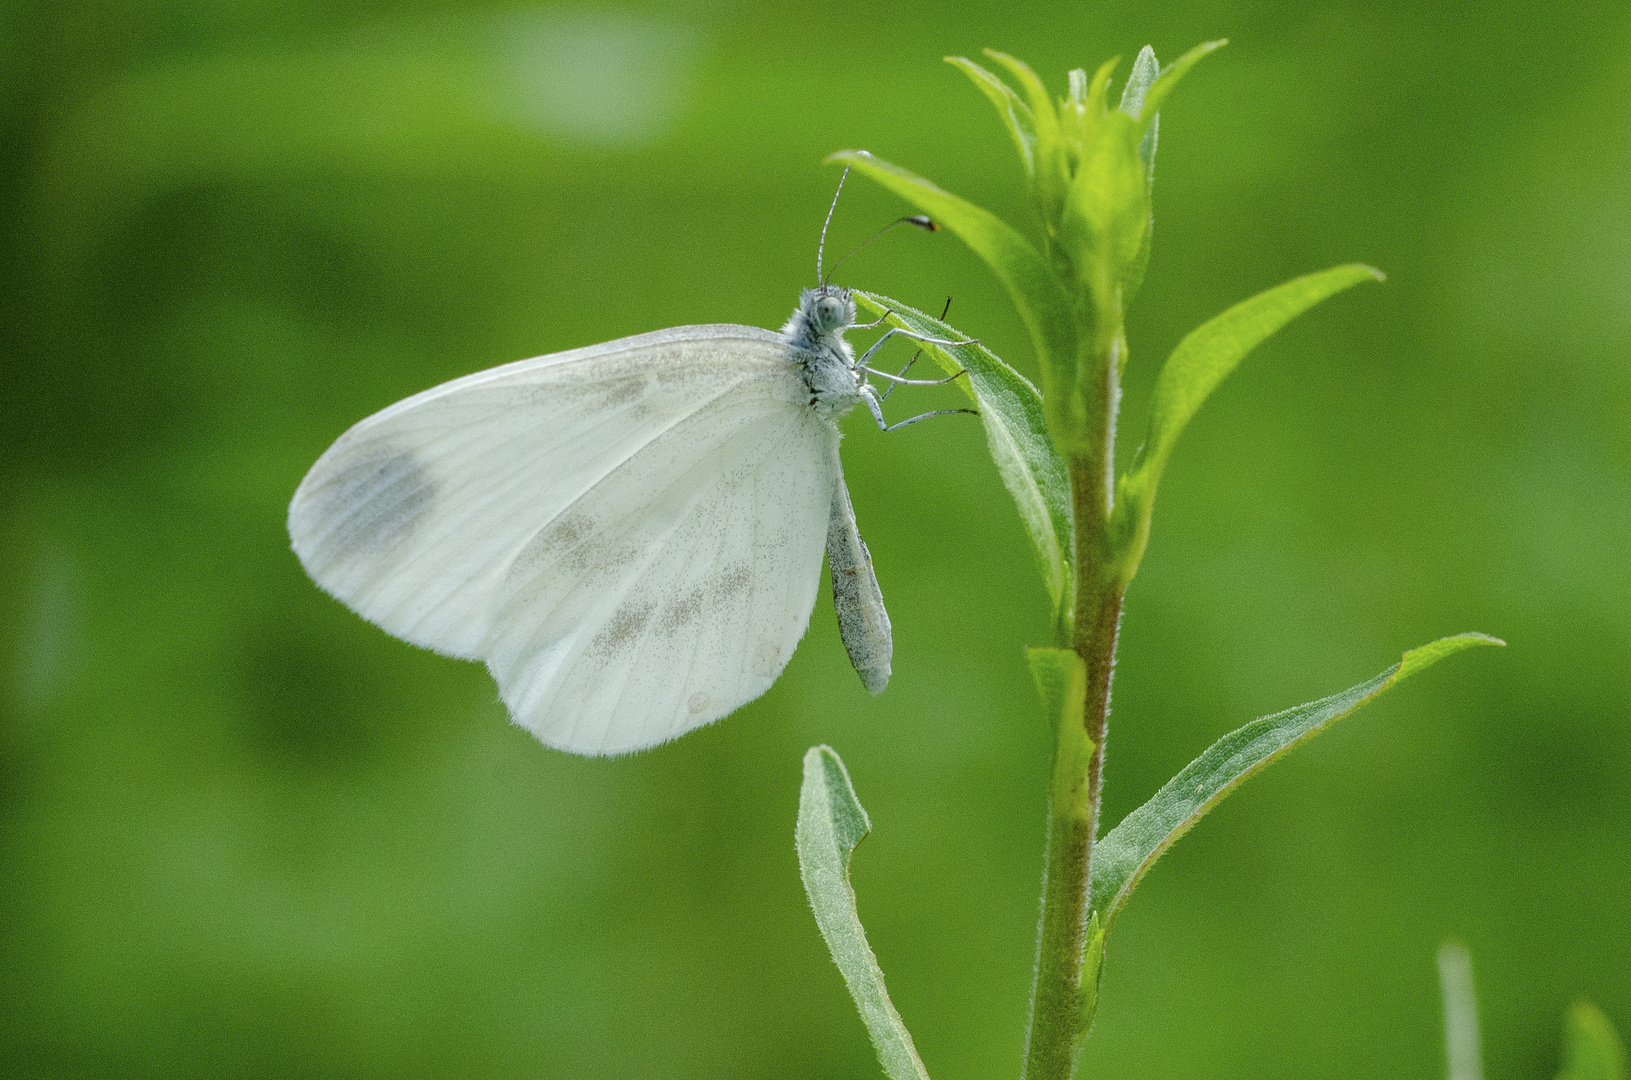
pixel 629 535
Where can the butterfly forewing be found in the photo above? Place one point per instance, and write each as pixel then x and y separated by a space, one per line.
pixel 629 534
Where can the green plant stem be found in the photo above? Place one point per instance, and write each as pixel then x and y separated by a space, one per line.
pixel 1049 1047
pixel 1057 1020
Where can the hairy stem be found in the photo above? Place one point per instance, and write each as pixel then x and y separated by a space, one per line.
pixel 1057 1013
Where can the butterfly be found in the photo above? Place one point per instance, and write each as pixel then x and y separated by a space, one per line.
pixel 629 534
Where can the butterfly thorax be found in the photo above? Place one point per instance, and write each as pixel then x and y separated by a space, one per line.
pixel 815 335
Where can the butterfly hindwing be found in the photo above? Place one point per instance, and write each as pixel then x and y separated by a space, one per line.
pixel 675 592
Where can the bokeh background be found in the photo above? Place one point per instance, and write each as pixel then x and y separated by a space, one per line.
pixel 244 833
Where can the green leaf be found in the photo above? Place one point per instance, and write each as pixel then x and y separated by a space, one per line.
pixel 1042 301
pixel 1591 1049
pixel 1087 995
pixel 831 822
pixel 1042 111
pixel 1061 680
pixel 1211 351
pixel 1163 84
pixel 1133 277
pixel 1463 1050
pixel 1016 115
pixel 1099 89
pixel 1080 116
pixel 1053 163
pixel 1145 69
pixel 1121 859
pixel 1076 88
pixel 1016 435
pixel 1106 215
pixel 1200 362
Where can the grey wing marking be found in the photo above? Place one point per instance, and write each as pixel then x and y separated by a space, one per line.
pixel 862 621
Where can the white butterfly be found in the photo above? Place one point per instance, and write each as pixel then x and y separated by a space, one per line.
pixel 629 534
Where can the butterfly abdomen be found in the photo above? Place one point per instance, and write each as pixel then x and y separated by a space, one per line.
pixel 862 621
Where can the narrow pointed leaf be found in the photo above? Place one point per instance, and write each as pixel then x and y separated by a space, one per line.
pixel 1123 856
pixel 1591 1049
pixel 1052 174
pixel 1134 279
pixel 1146 148
pixel 1061 680
pixel 1047 120
pixel 1041 300
pixel 1098 91
pixel 831 822
pixel 1145 69
pixel 1016 435
pixel 1211 351
pixel 1016 115
pixel 1076 84
pixel 1200 362
pixel 1082 113
pixel 1164 83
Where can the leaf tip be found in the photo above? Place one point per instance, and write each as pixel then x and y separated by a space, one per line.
pixel 847 155
pixel 1427 655
pixel 827 785
pixel 823 760
pixel 1591 1048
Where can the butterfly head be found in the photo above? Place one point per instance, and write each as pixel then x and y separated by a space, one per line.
pixel 827 309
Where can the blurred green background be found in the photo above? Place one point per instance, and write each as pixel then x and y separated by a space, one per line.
pixel 244 833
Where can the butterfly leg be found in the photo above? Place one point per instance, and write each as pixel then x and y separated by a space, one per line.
pixel 893 330
pixel 925 416
pixel 874 405
pixel 902 374
pixel 915 355
pixel 897 380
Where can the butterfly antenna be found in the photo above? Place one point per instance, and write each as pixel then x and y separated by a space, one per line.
pixel 925 223
pixel 820 247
